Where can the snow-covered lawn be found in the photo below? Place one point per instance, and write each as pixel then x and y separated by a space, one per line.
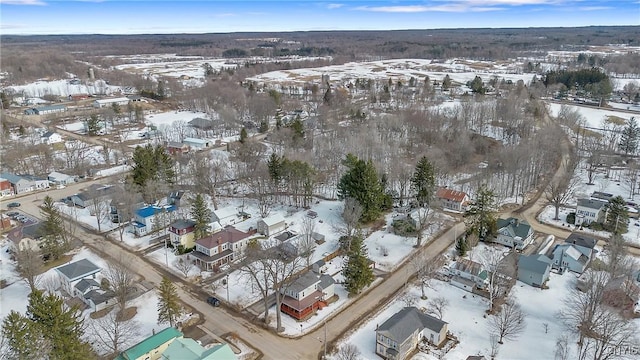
pixel 77 126
pixel 593 117
pixel 84 216
pixel 166 256
pixel 169 117
pixel 64 88
pixel 113 170
pixel 466 319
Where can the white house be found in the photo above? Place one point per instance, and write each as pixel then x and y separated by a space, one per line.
pixel 51 137
pixel 590 210
pixel 109 102
pixel 467 273
pixel 514 233
pixel 306 294
pixel 271 225
pixel 575 253
pixel 60 178
pixel 225 216
pixel 145 218
pixel 196 143
pixel 452 200
pixel 71 274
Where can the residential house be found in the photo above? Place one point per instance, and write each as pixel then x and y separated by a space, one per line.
pixel 134 98
pixel 319 267
pixel 225 216
pixel 534 269
pixel 122 101
pixel 513 232
pixel 5 188
pixel 602 196
pixel 25 237
pixel 306 294
pixel 148 217
pixel 575 253
pixel 590 210
pixel 189 349
pixel 95 192
pixel 176 148
pixel 181 233
pixel 51 138
pixel 197 144
pixel 452 200
pixel 271 225
pixel 399 336
pixel 220 248
pixel 175 198
pixel 60 178
pixel 40 183
pixel 152 347
pixel 467 274
pixel 19 183
pixel 71 275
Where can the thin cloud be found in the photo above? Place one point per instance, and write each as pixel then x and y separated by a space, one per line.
pixel 22 2
pixel 436 8
pixel 334 6
pixel 594 8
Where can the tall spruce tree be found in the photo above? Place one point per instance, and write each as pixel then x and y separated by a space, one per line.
pixel 629 137
pixel 617 215
pixel 152 163
pixel 423 182
pixel 357 273
pixel 201 214
pixel 361 182
pixel 50 330
pixel 169 309
pixel 480 218
pixel 52 230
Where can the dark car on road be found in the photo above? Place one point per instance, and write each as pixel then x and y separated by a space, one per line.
pixel 13 214
pixel 13 205
pixel 213 301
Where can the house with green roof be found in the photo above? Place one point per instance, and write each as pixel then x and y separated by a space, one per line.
pixel 513 232
pixel 189 349
pixel 152 347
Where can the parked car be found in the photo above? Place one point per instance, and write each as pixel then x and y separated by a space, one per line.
pixel 213 301
pixel 13 214
pixel 13 205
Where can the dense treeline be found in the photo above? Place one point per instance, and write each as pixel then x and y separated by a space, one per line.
pixel 575 78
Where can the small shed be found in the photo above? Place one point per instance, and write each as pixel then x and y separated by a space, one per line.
pixel 60 178
pixel 197 143
pixel 271 225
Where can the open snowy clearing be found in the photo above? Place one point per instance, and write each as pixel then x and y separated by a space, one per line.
pixel 64 88
pixel 593 117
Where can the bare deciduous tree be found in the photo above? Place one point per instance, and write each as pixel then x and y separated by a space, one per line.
pixel 113 334
pixel 348 352
pixel 426 269
pixel 494 263
pixel 437 306
pixel 29 265
pixel 562 348
pixel 208 171
pixel 561 190
pixel 184 265
pixel 120 279
pixel 509 322
pixel 307 244
pixel 351 214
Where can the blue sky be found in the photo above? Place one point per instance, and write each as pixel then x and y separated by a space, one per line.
pixel 160 16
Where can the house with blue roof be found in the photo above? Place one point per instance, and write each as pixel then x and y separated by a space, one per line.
pixel 145 218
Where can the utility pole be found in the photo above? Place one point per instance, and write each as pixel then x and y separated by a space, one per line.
pixel 227 288
pixel 325 340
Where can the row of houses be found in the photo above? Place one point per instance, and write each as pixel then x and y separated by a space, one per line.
pixel 12 184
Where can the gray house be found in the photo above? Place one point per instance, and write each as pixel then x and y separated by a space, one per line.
pixel 513 232
pixel 534 269
pixel 89 196
pixel 575 253
pixel 397 337
pixel 590 210
pixel 20 184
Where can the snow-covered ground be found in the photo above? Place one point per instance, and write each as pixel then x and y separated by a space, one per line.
pixel 64 88
pixel 166 256
pixel 169 117
pixel 593 117
pixel 113 170
pixel 84 216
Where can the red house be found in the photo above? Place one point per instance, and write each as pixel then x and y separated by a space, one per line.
pixel 308 293
pixel 452 200
pixel 176 148
pixel 220 248
pixel 5 188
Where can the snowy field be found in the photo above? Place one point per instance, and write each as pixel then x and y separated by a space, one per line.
pixel 64 88
pixel 169 117
pixel 84 216
pixel 459 70
pixel 593 117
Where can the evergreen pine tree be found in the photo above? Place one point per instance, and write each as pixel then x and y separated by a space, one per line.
pixel 264 126
pixel 446 82
pixel 423 182
pixel 462 246
pixel 152 163
pixel 169 308
pixel 617 216
pixel 629 137
pixel 201 214
pixel 243 135
pixel 23 338
pixel 93 125
pixel 480 218
pixel 361 182
pixel 62 327
pixel 357 273
pixel 54 241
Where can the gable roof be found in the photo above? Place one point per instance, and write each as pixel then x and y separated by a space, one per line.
pixel 470 267
pixel 273 220
pixel 601 195
pixel 59 176
pixel 95 191
pixel 535 263
pixel 150 343
pixel 151 210
pixel 182 224
pixel 201 123
pixel 405 322
pixel 304 281
pixel 227 235
pixel 84 284
pixel 79 269
pixel 449 194
pixel 189 349
pixel 13 178
pixel 591 204
pixel 29 231
pixel 48 134
pixel 581 240
pixel 515 227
